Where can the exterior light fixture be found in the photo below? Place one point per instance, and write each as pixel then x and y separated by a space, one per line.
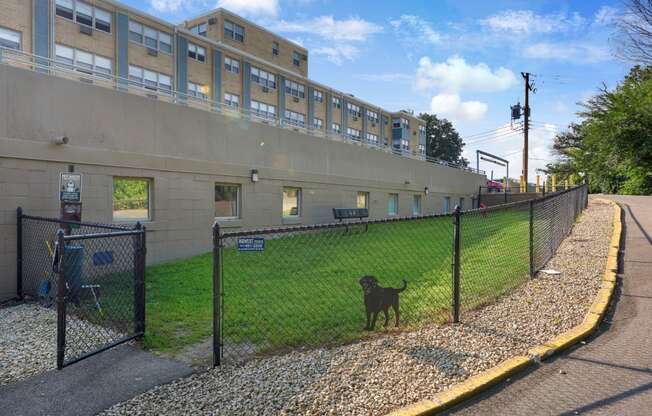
pixel 254 175
pixel 426 190
pixel 61 140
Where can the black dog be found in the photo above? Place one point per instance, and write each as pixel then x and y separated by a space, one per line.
pixel 378 298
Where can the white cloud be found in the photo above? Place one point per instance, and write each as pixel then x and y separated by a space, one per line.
pixel 456 75
pixel 386 77
pixel 606 15
pixel 452 107
pixel 526 21
pixel 166 6
pixel 352 29
pixel 413 28
pixel 251 8
pixel 568 51
pixel 337 54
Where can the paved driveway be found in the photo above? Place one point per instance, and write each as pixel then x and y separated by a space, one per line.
pixel 612 373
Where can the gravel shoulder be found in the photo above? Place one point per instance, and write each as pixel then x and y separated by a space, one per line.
pixel 376 376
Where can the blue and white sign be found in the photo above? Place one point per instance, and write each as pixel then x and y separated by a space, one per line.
pixel 251 244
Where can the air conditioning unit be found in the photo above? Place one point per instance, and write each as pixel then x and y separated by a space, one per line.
pixel 373 124
pixel 86 30
pixel 212 21
pixel 295 99
pixel 265 89
pixel 355 118
pixel 152 52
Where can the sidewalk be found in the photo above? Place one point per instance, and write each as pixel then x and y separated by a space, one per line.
pixel 612 374
pixel 91 385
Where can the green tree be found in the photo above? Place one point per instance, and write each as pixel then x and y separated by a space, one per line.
pixel 613 142
pixel 442 140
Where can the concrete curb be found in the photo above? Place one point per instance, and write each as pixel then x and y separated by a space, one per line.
pixel 476 384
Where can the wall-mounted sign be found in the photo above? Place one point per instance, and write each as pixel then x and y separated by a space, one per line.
pixel 70 186
pixel 251 244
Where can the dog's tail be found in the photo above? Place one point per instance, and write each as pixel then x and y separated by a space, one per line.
pixel 403 288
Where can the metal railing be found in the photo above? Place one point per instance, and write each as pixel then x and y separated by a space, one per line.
pixel 65 70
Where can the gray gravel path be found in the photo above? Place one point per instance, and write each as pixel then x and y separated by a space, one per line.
pixel 376 376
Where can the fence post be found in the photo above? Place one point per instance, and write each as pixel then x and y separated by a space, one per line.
pixel 531 238
pixel 140 252
pixel 456 263
pixel 19 253
pixel 61 297
pixel 217 295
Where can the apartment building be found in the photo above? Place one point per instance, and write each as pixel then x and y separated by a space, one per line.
pixel 218 60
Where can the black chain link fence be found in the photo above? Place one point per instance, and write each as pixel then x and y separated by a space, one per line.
pixel 92 274
pixel 303 287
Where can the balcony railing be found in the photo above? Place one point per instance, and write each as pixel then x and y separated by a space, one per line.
pixel 52 67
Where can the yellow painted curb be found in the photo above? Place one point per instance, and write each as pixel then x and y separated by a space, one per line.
pixel 486 379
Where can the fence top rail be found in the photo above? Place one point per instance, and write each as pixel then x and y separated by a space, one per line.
pixel 103 235
pixel 310 227
pixel 81 224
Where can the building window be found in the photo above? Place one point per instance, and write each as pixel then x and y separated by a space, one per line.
pixel 422 149
pixel 372 139
pixel 149 37
pixel 151 80
pixel 319 96
pixel 294 89
pixel 232 65
pixel 336 128
pixel 201 29
pixel 337 103
pixel 131 199
pixel 372 116
pixel 400 123
pixel 10 39
pixel 84 14
pixel 362 200
pixel 81 61
pixel 447 204
pixel 263 110
pixel 196 52
pixel 317 123
pixel 295 119
pixel 353 109
pixel 198 91
pixel 353 133
pixel 296 58
pixel 275 48
pixel 392 204
pixel 263 78
pixel 416 205
pixel 227 201
pixel 231 100
pixel 234 31
pixel 291 202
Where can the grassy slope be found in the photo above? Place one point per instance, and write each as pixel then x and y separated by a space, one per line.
pixel 303 289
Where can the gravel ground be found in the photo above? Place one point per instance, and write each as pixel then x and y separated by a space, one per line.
pixel 376 376
pixel 28 340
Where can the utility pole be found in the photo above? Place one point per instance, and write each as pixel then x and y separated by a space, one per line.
pixel 528 87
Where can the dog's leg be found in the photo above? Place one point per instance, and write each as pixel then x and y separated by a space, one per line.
pixel 395 306
pixel 373 321
pixel 367 327
pixel 385 311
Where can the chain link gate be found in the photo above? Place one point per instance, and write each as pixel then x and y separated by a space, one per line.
pixel 92 274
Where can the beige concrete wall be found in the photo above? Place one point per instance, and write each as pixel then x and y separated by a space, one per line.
pixel 232 83
pixel 184 151
pixel 17 16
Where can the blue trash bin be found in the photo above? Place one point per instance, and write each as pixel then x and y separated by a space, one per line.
pixel 73 271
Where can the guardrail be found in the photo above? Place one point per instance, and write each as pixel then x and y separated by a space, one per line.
pixel 69 71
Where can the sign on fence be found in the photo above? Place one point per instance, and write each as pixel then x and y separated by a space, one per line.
pixel 251 244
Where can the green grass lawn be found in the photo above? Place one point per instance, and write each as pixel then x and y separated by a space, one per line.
pixel 303 289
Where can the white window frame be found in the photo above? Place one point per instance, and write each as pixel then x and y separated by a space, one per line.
pixel 295 119
pixel 161 87
pixel 296 58
pixel 337 128
pixel 317 123
pixel 80 66
pixel 295 89
pixel 198 51
pixel 354 110
pixel 197 90
pixel 197 29
pixel 74 6
pixel 237 203
pixel 299 207
pixel 263 78
pixel 232 65
pixel 8 34
pixel 142 42
pixel 262 110
pixel 231 100
pixel 337 102
pixel 415 211
pixel 234 31
pixel 372 138
pixel 276 48
pixel 353 133
pixel 318 96
pixel 372 116
pixel 390 197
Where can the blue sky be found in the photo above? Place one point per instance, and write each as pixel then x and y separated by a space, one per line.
pixel 459 59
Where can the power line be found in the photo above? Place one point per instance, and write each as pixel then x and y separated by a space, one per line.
pixel 488 132
pixel 496 136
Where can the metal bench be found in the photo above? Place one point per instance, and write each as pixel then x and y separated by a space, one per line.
pixel 351 213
